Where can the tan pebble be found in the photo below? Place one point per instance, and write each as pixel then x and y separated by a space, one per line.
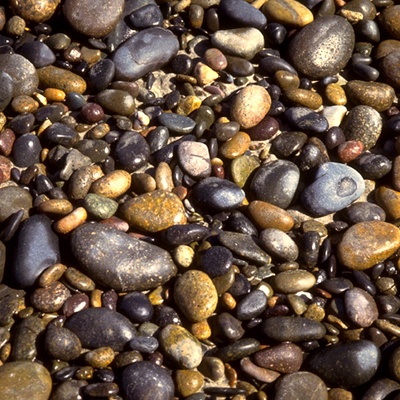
pixel 81 180
pixel 55 207
pixel 336 322
pixel 201 330
pixel 54 94
pixel 336 94
pixel 196 15
pixel 258 3
pixel 396 171
pixel 43 126
pixel 183 256
pixel 95 298
pixel 24 103
pixel 112 185
pixel 71 221
pixel 143 183
pixel 41 98
pixel 352 16
pixel 91 56
pixel 250 106
pixel 287 80
pixel 228 301
pixel 304 98
pixel 215 59
pixel 339 394
pixel 188 382
pixel 3 120
pixel 181 5
pixel 163 177
pixel 62 79
pixel 315 312
pixel 287 12
pixel 236 146
pixel 231 375
pixel 99 131
pixel 52 274
pixel 204 74
pixel 188 105
pixel 156 297
pixel 78 280
pixel 5 352
pixel 389 200
pixel 101 357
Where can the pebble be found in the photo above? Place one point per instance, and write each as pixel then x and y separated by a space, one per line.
pixel 132 150
pixel 144 52
pixel 289 13
pixel 195 295
pixel 112 185
pixel 388 67
pixel 50 298
pixel 62 79
pixel 179 344
pixel 367 243
pixel 61 343
pixel 243 14
pixel 236 146
pixel 238 350
pixel 153 212
pixel 215 59
pixel 188 382
pixel 177 124
pixel 336 94
pixel 34 381
pixel 250 106
pixel 143 377
pixel 363 123
pixel 286 358
pixel 137 307
pixel 279 244
pixel 363 211
pixel 322 47
pixel 242 168
pixel 252 305
pixel 389 21
pixel 22 72
pixel 276 183
pixel 145 266
pixel 239 42
pixel 13 199
pixel 304 98
pixel 292 329
pixel 101 327
pixel 360 307
pixel 307 120
pixel 339 365
pixel 293 281
pixel 7 90
pixel 335 187
pixel 379 96
pixel 218 194
pixel 194 159
pixel 300 384
pixel 184 234
pixel 117 101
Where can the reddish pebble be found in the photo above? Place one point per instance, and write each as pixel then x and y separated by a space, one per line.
pixel 265 130
pixel 218 171
pixel 5 169
pixel 350 150
pixel 75 303
pixel 117 223
pixel 7 139
pixel 215 59
pixel 180 191
pixel 92 113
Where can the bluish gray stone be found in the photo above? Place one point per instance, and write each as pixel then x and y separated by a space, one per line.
pixel 306 120
pixel 146 51
pixel 334 188
pixel 132 151
pixel 243 13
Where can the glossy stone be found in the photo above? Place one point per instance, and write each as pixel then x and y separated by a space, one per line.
pixel 360 307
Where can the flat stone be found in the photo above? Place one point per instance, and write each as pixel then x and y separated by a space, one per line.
pixel 101 327
pixel 195 295
pixel 146 51
pixel 250 106
pixel 181 346
pixel 367 243
pixel 322 47
pixel 347 364
pixel 33 381
pixel 194 159
pixel 92 18
pixel 155 211
pixel 239 42
pixel 293 281
pixel 59 78
pixel 335 187
pixel 119 261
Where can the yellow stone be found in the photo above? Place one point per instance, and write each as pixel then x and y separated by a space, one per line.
pixel 335 94
pixel 52 94
pixel 188 382
pixel 204 74
pixel 188 105
pixel 236 146
pixel 287 12
pixel 304 98
pixel 113 184
pixel 58 78
pixel 389 200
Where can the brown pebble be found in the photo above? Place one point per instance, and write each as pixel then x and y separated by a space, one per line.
pixel 101 357
pixel 55 207
pixel 339 394
pixel 304 98
pixel 50 298
pixel 62 79
pixel 5 169
pixel 112 185
pixel 215 59
pixel 95 298
pixel 287 80
pixel 389 200
pixel 204 74
pixel 188 382
pixel 7 139
pixel 335 94
pixel 163 177
pixel 116 223
pixel 350 150
pixel 77 302
pixel 259 373
pixel 71 221
pixel 236 146
pixel 143 183
pixel 51 274
pixel 24 103
pixel 201 330
pixel 78 280
pixel 33 10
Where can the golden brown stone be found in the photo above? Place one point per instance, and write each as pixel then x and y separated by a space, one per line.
pixel 336 94
pixel 287 80
pixel 33 10
pixel 62 79
pixel 112 185
pixel 304 98
pixel 101 357
pixel 389 200
pixel 236 146
pixel 287 12
pixel 55 207
pixel 386 47
pixel 71 221
pixel 266 215
pixel 188 382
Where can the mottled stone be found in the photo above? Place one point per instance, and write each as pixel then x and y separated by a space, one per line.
pixel 155 211
pixel 293 281
pixel 117 102
pixel 181 346
pixel 368 243
pixel 236 146
pixel 285 358
pixel 61 343
pixel 119 261
pixel 59 78
pixel 250 106
pixel 24 380
pixel 188 382
pixel 389 19
pixel 50 298
pixel 323 47
pixel 13 199
pixel 99 206
pixel 360 307
pixel 195 295
pixel 194 159
pixel 389 200
pixel 112 185
pixel 36 11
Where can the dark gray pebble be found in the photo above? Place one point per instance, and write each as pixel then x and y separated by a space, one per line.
pixel 38 53
pixel 216 261
pixel 242 13
pixel 251 306
pixel 144 377
pixel 6 89
pixel 348 364
pixel 363 211
pixel 101 74
pixel 137 307
pixel 306 120
pixel 144 344
pixel 101 327
pixel 147 16
pixel 68 390
pixel 36 249
pixel 61 343
pixel 227 327
pixel 177 124
pixel 238 350
pixel 184 234
pixel 373 166
pixel 60 134
pixel 132 151
pixel 26 150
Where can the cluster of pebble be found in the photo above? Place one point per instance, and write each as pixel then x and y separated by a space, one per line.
pixel 199 199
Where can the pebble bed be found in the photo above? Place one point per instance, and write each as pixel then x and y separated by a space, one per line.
pixel 199 199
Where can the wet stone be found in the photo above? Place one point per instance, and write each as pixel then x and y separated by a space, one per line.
pixel 216 261
pixel 50 298
pixel 323 47
pixel 34 381
pixel 195 295
pixel 112 185
pixel 101 327
pixel 146 51
pixel 26 150
pixel 59 78
pixel 242 168
pixel 137 307
pixel 132 151
pixel 347 364
pixel 61 343
pixel 360 307
pixel 140 378
pixel 129 264
pixel 252 305
pixel 239 42
pixel 218 194
pixel 307 120
pixel 22 71
pixel 292 329
pixel 236 146
pixel 155 211
pixel 177 124
pixel 363 211
pixel 243 14
pixel 238 350
pixel 179 344
pixel 38 53
pixel 91 18
pixel 69 389
pixel 184 234
pixel 301 384
pixel 278 244
pixel 144 344
pixel 117 101
pixel 285 177
pixel 147 16
pixel 363 123
pixel 285 358
pixel 289 13
pixel 215 59
pixel 368 243
pixel 293 281
pixel 335 187
pixel 13 199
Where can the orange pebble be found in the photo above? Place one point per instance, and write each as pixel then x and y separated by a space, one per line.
pixel 53 94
